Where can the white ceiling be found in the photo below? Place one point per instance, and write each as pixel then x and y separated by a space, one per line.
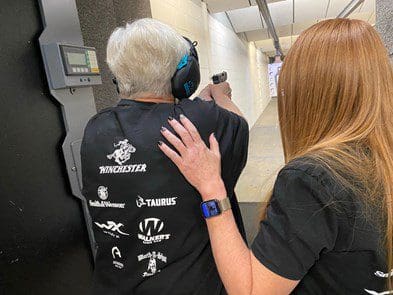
pixel 290 17
pixel 225 5
pixel 246 19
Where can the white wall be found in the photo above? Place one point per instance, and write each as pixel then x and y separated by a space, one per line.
pixel 220 49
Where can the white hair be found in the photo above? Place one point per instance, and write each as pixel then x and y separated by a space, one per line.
pixel 143 56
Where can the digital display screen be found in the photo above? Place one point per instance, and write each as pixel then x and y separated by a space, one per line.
pixel 210 208
pixel 76 58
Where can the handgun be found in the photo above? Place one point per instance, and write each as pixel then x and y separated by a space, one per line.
pixel 219 78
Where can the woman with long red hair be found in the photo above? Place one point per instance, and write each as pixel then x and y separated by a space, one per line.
pixel 328 225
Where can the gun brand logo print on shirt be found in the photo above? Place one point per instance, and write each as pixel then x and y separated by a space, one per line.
pixel 161 202
pixel 150 230
pixel 152 264
pixel 103 194
pixel 116 254
pixel 121 155
pixel 112 228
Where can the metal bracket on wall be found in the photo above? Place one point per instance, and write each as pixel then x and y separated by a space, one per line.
pixel 61 25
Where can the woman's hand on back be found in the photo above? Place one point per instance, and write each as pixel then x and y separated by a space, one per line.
pixel 239 269
pixel 200 165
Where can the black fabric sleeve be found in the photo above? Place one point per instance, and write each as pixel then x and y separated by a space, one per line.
pixel 299 226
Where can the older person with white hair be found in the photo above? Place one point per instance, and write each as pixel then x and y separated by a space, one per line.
pixel 145 214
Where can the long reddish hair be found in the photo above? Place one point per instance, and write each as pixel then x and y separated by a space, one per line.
pixel 335 102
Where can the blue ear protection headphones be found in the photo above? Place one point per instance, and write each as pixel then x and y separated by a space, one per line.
pixel 187 77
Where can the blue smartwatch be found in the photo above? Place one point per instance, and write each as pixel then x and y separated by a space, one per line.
pixel 215 207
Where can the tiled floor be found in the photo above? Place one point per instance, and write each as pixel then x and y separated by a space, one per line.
pixel 265 158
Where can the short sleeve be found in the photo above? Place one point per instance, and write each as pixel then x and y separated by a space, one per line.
pixel 300 225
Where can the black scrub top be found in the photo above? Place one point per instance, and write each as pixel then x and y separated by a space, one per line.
pixel 151 236
pixel 318 232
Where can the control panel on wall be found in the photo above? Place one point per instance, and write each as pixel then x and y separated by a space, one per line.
pixel 69 65
pixel 79 60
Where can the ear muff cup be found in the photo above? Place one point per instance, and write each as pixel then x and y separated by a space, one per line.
pixel 187 77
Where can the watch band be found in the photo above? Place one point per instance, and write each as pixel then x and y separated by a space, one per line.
pixel 225 204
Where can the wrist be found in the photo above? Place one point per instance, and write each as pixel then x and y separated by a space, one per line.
pixel 213 190
pixel 221 97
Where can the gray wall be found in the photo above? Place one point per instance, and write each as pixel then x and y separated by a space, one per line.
pixel 385 22
pixel 98 19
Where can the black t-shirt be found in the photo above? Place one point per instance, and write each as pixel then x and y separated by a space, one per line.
pixel 151 236
pixel 321 234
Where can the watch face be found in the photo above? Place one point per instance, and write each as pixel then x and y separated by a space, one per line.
pixel 210 208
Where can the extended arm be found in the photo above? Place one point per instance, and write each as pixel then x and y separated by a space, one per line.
pixel 240 271
pixel 221 94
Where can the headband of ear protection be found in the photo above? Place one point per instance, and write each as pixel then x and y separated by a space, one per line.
pixel 187 77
